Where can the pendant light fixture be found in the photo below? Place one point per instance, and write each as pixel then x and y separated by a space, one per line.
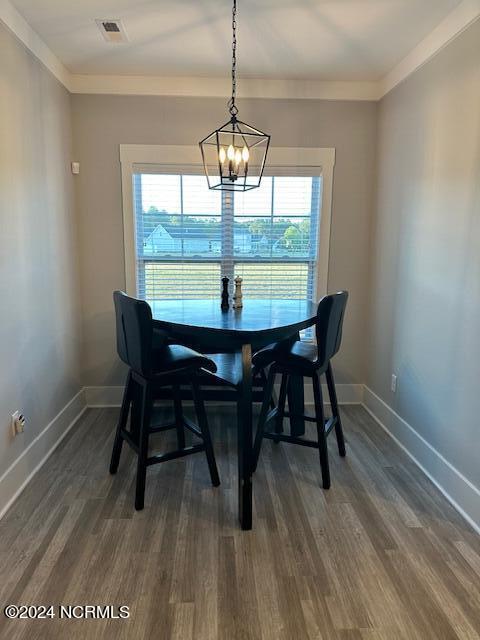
pixel 234 155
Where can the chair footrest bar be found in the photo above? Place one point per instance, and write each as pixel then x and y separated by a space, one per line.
pixel 129 440
pixel 213 393
pixel 329 424
pixel 292 439
pixel 158 428
pixel 192 427
pixel 288 414
pixel 171 455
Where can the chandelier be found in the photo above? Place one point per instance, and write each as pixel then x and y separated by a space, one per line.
pixel 234 155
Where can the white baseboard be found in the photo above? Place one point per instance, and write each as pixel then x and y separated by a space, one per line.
pixel 112 396
pixel 459 491
pixel 99 397
pixel 19 474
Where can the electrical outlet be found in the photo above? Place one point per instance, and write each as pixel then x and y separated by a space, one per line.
pixel 18 423
pixel 393 384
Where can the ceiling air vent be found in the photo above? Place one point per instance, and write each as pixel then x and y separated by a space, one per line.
pixel 112 30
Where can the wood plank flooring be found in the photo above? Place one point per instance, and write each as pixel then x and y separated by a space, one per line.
pixel 381 556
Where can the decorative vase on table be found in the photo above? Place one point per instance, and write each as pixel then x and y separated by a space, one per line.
pixel 224 306
pixel 238 296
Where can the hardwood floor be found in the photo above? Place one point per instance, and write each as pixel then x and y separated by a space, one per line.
pixel 380 556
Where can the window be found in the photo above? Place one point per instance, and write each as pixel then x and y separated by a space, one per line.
pixel 187 236
pixel 180 238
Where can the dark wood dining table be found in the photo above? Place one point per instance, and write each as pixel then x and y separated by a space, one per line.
pixel 202 325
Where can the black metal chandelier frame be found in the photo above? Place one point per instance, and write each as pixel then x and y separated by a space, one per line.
pixel 235 142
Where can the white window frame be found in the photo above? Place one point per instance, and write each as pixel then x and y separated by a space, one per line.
pixel 183 156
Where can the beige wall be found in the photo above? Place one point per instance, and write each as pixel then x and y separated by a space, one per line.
pixel 426 258
pixel 39 366
pixel 101 123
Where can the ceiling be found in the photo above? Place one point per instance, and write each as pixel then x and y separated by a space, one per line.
pixel 297 39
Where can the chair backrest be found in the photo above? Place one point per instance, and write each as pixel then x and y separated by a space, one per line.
pixel 330 314
pixel 134 332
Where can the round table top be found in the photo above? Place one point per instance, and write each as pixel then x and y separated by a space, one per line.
pixel 254 316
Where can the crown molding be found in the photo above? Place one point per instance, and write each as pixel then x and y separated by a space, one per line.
pixel 452 26
pixel 17 24
pixel 219 87
pixel 457 21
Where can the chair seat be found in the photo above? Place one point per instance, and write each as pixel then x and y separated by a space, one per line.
pixel 175 357
pixel 298 357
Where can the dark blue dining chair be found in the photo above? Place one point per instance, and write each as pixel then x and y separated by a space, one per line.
pixel 312 361
pixel 155 363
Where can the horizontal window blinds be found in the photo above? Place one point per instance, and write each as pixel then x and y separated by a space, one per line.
pixel 188 237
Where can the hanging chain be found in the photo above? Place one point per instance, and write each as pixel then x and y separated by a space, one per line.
pixel 232 107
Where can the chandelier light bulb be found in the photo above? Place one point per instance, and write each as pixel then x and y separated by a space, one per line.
pixel 245 154
pixel 222 155
pixel 238 157
pixel 231 152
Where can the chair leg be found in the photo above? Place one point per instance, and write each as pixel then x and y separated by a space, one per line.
pixel 270 381
pixel 136 412
pixel 203 424
pixel 335 412
pixel 177 404
pixel 322 437
pixel 146 412
pixel 264 379
pixel 281 405
pixel 122 423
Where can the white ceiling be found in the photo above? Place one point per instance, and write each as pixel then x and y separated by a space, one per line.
pixel 303 39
